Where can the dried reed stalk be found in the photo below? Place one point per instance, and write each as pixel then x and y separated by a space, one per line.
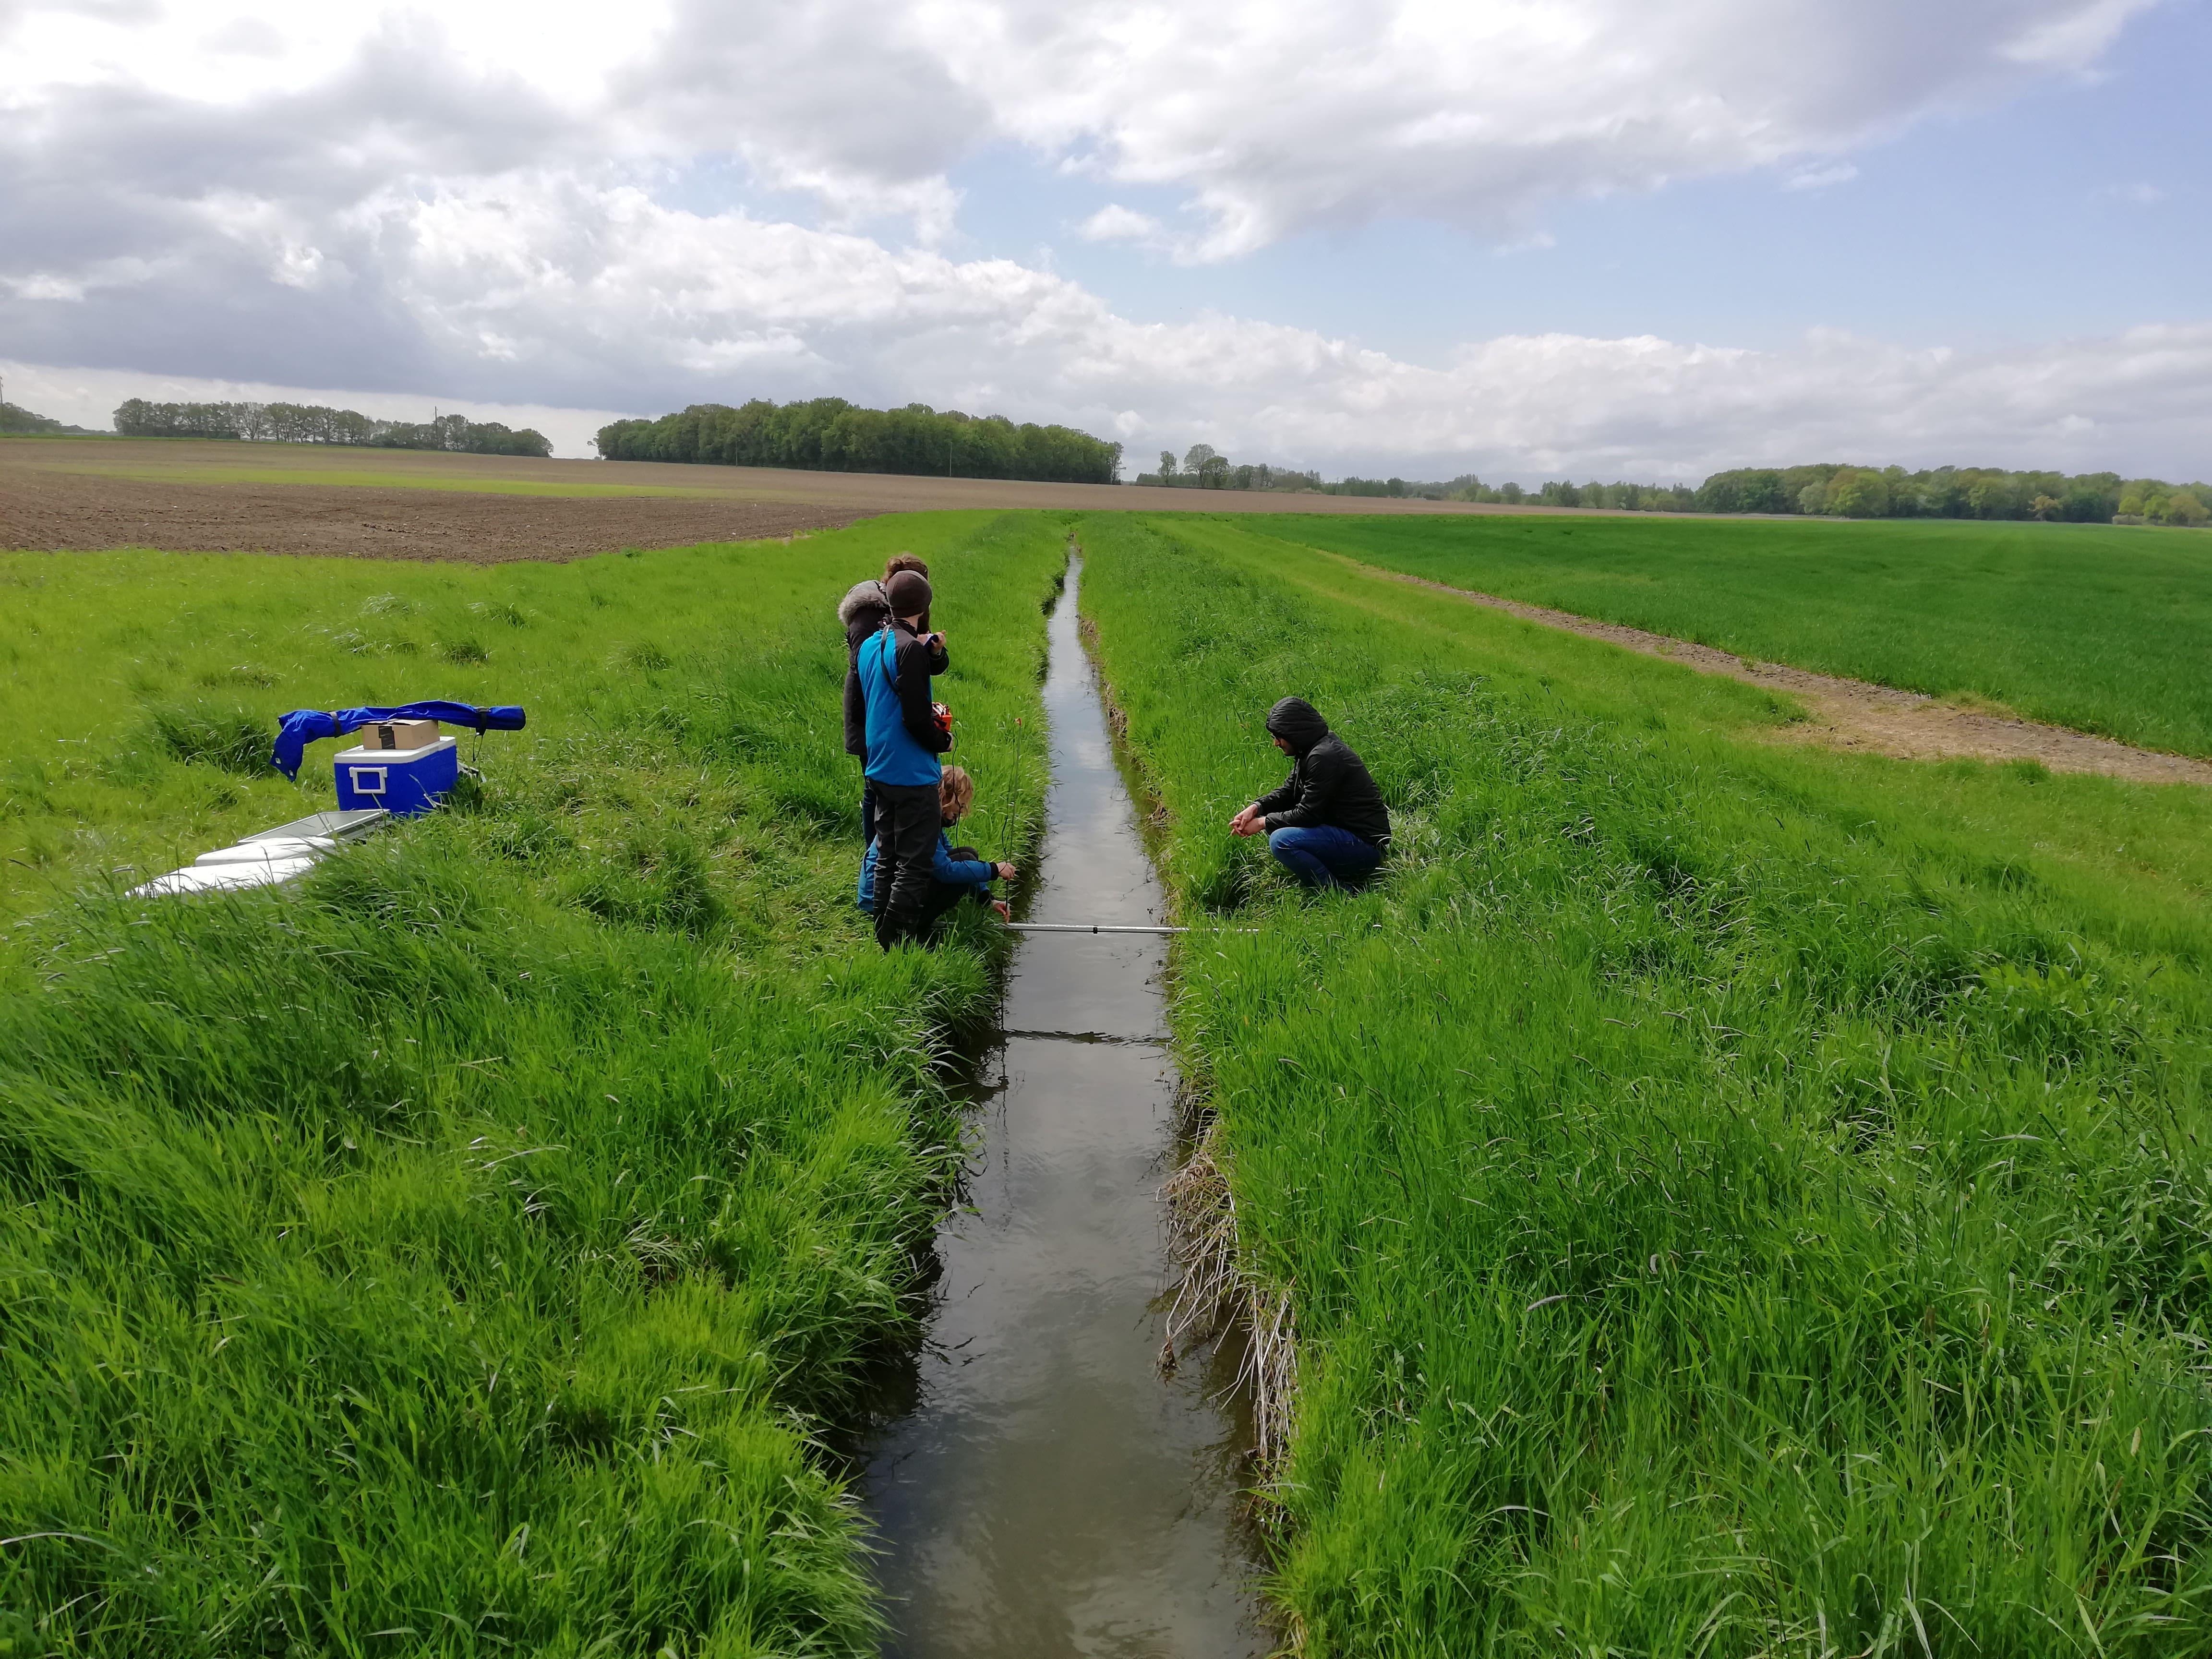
pixel 1218 1291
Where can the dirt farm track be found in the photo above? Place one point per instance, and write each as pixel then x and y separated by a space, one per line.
pixel 59 494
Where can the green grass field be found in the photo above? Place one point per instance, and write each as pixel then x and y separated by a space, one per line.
pixel 1733 1200
pixel 455 1253
pixel 2099 628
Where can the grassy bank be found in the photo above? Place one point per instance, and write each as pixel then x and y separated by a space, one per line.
pixel 453 1253
pixel 2099 628
pixel 1732 1199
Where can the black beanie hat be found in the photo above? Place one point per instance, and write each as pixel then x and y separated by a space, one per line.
pixel 909 593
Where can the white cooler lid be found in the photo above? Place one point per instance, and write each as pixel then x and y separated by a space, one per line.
pixel 361 756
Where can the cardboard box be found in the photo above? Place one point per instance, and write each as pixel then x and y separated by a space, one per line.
pixel 398 734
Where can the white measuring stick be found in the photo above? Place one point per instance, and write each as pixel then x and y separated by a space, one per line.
pixel 1087 927
pixel 1107 928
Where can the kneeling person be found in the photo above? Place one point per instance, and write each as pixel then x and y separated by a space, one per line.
pixel 955 872
pixel 1327 825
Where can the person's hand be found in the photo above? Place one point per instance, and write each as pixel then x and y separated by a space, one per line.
pixel 1005 911
pixel 1007 872
pixel 1248 822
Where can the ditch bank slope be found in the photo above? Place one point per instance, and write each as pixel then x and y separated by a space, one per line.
pixel 463 1249
pixel 1722 1200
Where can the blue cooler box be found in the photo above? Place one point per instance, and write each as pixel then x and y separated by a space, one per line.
pixel 401 780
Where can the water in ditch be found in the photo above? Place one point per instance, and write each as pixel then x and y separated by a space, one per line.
pixel 1047 1492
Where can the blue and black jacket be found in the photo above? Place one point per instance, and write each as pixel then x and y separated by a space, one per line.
pixel 903 737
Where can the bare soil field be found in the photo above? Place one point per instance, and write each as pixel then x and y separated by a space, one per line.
pixel 59 494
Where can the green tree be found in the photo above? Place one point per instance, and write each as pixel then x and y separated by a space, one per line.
pixel 1855 493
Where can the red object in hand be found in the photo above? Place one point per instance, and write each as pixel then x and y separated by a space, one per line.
pixel 944 717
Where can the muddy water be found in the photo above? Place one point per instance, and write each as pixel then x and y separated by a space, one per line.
pixel 1048 1494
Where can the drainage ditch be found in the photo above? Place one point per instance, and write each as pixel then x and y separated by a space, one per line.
pixel 1048 1492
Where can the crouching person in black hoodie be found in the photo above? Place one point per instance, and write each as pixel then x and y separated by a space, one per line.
pixel 1327 825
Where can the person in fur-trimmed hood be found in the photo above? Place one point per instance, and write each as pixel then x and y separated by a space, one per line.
pixel 1327 825
pixel 865 610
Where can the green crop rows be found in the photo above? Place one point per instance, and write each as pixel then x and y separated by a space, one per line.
pixel 2087 626
pixel 455 1254
pixel 1732 1199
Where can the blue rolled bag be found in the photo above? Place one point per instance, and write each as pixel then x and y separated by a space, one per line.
pixel 305 726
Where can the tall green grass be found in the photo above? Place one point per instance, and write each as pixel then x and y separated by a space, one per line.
pixel 1733 1200
pixel 457 1253
pixel 2095 627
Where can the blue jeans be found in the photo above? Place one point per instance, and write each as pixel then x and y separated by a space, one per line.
pixel 1324 856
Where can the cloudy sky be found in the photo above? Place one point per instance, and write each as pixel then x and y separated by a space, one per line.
pixel 1528 238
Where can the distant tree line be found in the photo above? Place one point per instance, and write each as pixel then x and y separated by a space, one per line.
pixel 17 421
pixel 312 423
pixel 1955 492
pixel 1828 489
pixel 1207 468
pixel 827 435
pixel 1613 497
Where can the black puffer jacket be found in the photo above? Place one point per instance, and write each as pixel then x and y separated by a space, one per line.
pixel 1329 785
pixel 864 610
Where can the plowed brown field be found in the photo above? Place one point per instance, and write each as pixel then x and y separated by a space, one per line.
pixel 61 494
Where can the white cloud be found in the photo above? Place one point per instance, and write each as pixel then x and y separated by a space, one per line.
pixel 1840 173
pixel 88 398
pixel 1266 118
pixel 476 199
pixel 1117 223
pixel 539 281
pixel 1275 116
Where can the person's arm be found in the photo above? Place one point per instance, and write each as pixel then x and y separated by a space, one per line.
pixel 856 714
pixel 939 661
pixel 960 872
pixel 1279 798
pixel 914 698
pixel 1319 775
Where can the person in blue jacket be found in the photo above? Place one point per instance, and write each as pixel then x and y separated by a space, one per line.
pixel 904 740
pixel 955 872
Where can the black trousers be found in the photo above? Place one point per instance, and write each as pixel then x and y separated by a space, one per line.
pixel 943 897
pixel 907 824
pixel 867 808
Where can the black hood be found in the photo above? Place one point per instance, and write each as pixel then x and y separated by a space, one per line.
pixel 1293 720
